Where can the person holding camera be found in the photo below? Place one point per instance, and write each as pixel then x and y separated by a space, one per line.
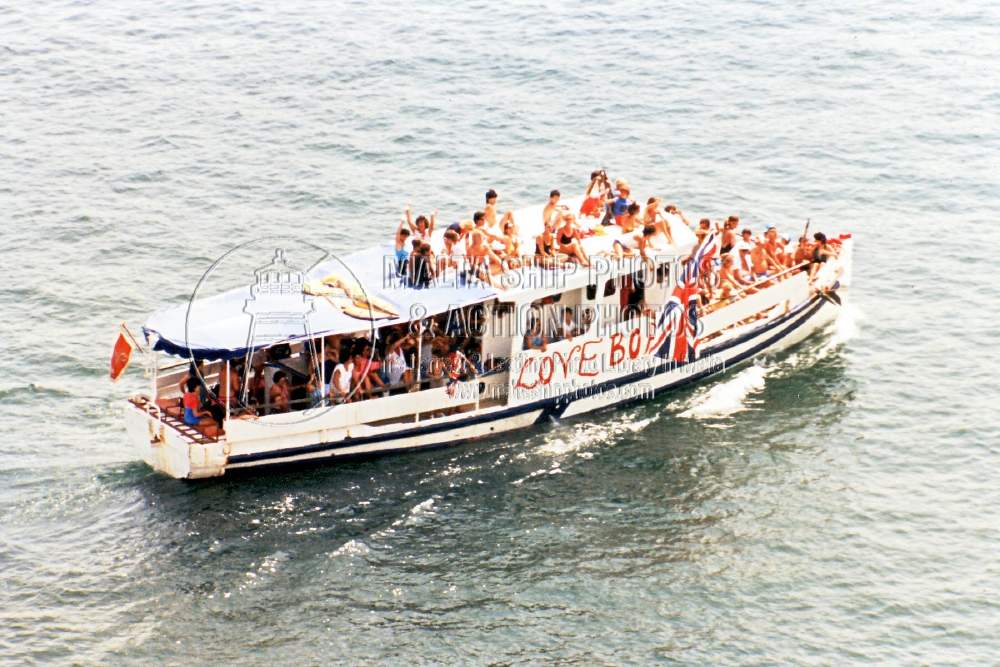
pixel 597 193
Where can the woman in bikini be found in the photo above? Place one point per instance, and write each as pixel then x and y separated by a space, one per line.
pixel 512 245
pixel 568 236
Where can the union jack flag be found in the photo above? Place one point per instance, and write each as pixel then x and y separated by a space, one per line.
pixel 680 312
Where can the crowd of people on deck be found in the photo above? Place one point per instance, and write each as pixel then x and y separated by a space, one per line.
pixel 344 369
pixel 489 243
pixel 341 369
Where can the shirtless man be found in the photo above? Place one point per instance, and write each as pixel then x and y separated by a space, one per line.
pixel 491 211
pixel 774 248
pixel 803 251
pixel 483 261
pixel 630 220
pixel 731 283
pixel 552 211
pixel 759 264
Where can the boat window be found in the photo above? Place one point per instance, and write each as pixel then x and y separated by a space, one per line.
pixel 609 287
pixel 591 292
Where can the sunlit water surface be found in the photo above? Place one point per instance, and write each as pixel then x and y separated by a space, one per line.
pixel 836 503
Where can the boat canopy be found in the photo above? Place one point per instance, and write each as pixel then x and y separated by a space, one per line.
pixel 274 308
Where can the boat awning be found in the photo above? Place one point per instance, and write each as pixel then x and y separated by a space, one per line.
pixel 227 325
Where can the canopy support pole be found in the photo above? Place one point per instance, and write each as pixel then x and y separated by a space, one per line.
pixel 322 369
pixel 416 363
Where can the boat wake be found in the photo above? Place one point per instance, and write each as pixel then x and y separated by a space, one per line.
pixel 578 438
pixel 728 397
pixel 736 394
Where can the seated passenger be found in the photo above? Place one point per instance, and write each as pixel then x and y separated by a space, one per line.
pixel 619 206
pixel 422 266
pixel 258 384
pixel 397 371
pixel 803 251
pixel 596 194
pixel 546 254
pixel 822 252
pixel 568 236
pixel 731 283
pixel 741 253
pixel 568 325
pixel 652 216
pixel 759 264
pixel 552 211
pixel 512 245
pixel 630 220
pixel 195 371
pixel 280 393
pixel 491 211
pixel 451 255
pixel 535 339
pixel 484 263
pixel 774 248
pixel 340 380
pixel 635 242
pixel 402 252
pixel 314 391
pixel 479 224
pixel 194 414
pixel 457 365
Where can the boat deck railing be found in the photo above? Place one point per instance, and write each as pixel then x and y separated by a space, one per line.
pixel 167 416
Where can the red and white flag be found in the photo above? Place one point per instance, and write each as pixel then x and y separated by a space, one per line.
pixel 121 354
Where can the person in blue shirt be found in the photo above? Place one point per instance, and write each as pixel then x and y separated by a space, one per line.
pixel 402 254
pixel 619 206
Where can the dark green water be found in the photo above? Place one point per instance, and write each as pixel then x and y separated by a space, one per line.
pixel 835 504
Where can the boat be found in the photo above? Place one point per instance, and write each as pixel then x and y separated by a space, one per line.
pixel 292 312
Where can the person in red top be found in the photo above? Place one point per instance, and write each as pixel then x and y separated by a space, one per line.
pixel 193 411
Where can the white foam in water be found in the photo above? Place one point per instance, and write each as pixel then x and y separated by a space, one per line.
pixel 589 434
pixel 847 325
pixel 726 398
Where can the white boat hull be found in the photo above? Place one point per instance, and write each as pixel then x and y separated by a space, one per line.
pixel 330 437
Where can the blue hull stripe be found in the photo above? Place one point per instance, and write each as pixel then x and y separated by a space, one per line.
pixel 556 406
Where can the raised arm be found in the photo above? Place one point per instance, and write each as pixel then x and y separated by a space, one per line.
pixel 409 219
